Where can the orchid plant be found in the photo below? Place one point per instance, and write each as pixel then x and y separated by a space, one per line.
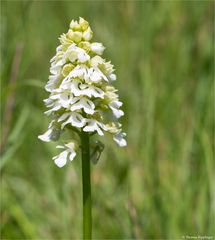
pixel 83 100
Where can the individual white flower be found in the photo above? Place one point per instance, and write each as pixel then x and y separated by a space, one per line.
pixel 69 153
pixel 78 72
pixel 97 48
pixel 79 89
pixel 55 107
pixel 53 82
pixel 96 75
pixel 46 137
pixel 52 134
pixel 83 103
pixel 112 77
pixel 75 119
pixel 111 94
pixel 82 97
pixel 74 53
pixel 56 67
pixel 119 139
pixel 96 61
pixel 115 105
pixel 93 125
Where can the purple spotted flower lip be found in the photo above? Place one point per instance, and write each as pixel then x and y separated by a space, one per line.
pixel 82 96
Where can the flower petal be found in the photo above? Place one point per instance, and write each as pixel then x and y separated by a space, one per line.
pixel 75 119
pixel 114 106
pixel 97 48
pixel 73 53
pixel 119 139
pixel 61 159
pixel 112 77
pixel 93 126
pixel 94 91
pixel 71 148
pixel 52 83
pixel 56 107
pixel 63 117
pixel 84 103
pixel 46 136
pixel 65 99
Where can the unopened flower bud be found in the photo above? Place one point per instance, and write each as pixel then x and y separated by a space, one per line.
pixel 67 69
pixel 74 36
pixel 87 34
pixel 83 24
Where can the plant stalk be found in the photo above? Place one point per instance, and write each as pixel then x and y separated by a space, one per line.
pixel 86 183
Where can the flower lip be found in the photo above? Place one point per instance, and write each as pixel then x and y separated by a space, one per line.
pixel 69 153
pixel 93 125
pixel 52 134
pixel 85 104
pixel 75 119
pixel 97 48
pixel 119 139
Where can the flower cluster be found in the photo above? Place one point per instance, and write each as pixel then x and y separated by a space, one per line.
pixel 82 97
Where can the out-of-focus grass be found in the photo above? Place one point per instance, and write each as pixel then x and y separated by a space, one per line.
pixel 162 184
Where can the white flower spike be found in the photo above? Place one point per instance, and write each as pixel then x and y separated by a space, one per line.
pixel 82 97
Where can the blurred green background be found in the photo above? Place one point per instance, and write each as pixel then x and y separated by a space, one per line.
pixel 162 184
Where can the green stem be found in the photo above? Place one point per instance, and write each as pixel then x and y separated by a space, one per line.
pixel 87 203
